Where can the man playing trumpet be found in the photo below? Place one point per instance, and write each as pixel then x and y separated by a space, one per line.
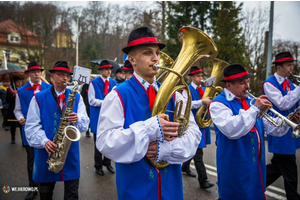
pixel 285 97
pixel 241 164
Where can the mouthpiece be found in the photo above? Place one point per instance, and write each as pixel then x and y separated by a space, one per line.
pixel 156 66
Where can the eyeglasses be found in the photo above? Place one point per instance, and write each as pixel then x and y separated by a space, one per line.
pixel 63 75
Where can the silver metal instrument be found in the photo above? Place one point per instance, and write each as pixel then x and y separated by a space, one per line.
pixel 270 119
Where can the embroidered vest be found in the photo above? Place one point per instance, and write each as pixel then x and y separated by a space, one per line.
pixel 99 94
pixel 241 164
pixel 205 138
pixel 25 96
pixel 50 118
pixel 285 144
pixel 140 179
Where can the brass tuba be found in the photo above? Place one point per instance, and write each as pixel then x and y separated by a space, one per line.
pixel 165 61
pixel 195 45
pixel 212 91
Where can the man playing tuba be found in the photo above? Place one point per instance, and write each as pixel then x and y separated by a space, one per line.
pixel 240 143
pixel 130 136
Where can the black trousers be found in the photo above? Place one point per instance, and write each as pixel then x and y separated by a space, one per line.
pixel 13 127
pixel 98 157
pixel 4 114
pixel 200 167
pixel 30 160
pixel 70 192
pixel 284 165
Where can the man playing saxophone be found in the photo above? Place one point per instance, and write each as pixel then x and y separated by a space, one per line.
pixel 239 132
pixel 130 136
pixel 42 124
pixel 285 97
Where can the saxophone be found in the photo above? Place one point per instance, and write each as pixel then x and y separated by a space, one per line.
pixel 66 134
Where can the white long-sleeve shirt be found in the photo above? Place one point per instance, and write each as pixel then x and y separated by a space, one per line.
pixel 93 101
pixel 34 132
pixel 281 102
pixel 196 103
pixel 18 109
pixel 236 126
pixel 131 144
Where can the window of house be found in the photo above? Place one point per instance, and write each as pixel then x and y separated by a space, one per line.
pixel 8 55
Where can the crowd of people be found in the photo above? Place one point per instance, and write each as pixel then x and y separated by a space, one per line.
pixel 118 113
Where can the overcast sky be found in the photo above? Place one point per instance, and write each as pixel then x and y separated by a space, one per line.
pixel 286 16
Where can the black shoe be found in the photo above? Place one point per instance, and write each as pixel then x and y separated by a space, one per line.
pixel 206 185
pixel 189 173
pixel 110 169
pixel 13 142
pixel 6 128
pixel 88 135
pixel 31 195
pixel 100 172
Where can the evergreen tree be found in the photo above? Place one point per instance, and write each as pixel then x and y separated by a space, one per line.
pixel 228 34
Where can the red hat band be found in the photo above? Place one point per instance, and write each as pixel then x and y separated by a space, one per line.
pixel 143 40
pixel 284 59
pixel 61 69
pixel 235 76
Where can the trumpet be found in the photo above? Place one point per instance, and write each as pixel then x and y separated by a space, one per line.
pixel 270 119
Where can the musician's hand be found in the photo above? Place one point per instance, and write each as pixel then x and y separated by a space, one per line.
pixel 206 101
pixel 152 151
pixel 296 118
pixel 168 128
pixel 263 103
pixel 72 117
pixel 50 147
pixel 22 121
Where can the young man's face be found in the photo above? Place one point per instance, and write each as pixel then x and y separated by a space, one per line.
pixel 18 83
pixel 239 87
pixel 105 72
pixel 285 69
pixel 35 75
pixel 121 75
pixel 197 78
pixel 143 58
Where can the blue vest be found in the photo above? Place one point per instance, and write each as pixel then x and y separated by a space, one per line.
pixel 285 144
pixel 99 94
pixel 139 179
pixel 50 118
pixel 205 138
pixel 241 165
pixel 25 96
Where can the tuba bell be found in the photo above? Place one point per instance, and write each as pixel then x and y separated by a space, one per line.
pixel 202 118
pixel 195 45
pixel 165 61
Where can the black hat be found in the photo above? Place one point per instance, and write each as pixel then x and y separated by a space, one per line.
pixel 105 64
pixel 127 66
pixel 283 57
pixel 235 72
pixel 119 70
pixel 139 36
pixel 33 66
pixel 61 66
pixel 195 70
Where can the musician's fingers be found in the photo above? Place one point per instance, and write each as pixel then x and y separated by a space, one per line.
pixel 169 138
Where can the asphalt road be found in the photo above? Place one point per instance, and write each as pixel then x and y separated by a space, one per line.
pixel 13 172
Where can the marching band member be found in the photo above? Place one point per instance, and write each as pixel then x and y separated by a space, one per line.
pixel 23 98
pixel 128 69
pixel 197 92
pixel 285 97
pixel 98 89
pixel 129 135
pixel 120 75
pixel 240 143
pixel 42 124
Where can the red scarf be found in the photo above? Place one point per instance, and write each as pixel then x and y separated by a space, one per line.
pixel 106 86
pixel 245 107
pixel 286 85
pixel 34 87
pixel 151 96
pixel 201 91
